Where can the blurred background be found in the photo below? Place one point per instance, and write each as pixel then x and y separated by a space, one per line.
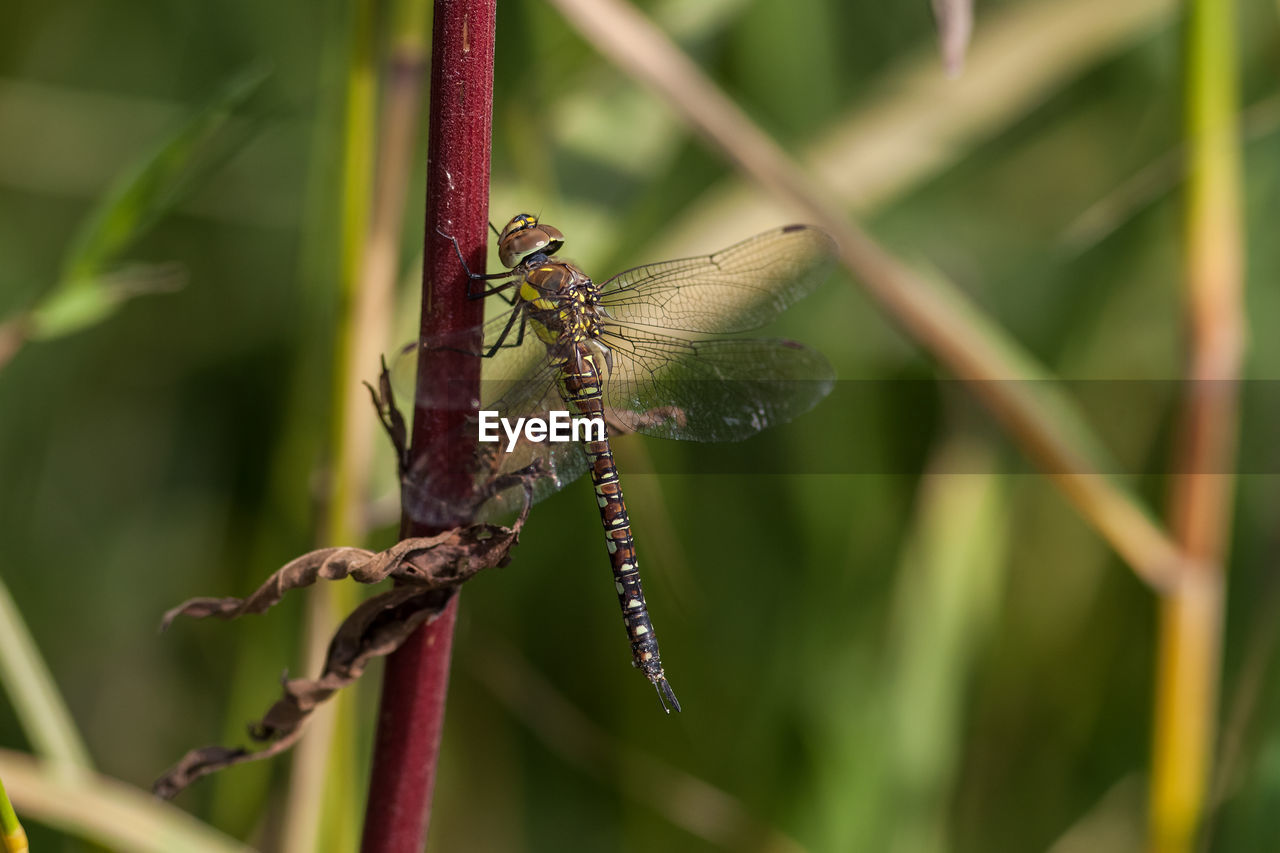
pixel 887 631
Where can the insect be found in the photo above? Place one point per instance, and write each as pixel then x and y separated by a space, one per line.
pixel 634 353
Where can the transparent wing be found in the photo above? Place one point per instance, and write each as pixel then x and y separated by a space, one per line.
pixel 711 390
pixel 692 390
pixel 740 288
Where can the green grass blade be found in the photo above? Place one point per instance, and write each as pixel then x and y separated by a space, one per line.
pixel 73 306
pixel 87 292
pixel 948 590
pixel 11 831
pixel 116 815
pixel 40 708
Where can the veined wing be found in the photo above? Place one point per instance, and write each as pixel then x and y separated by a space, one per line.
pixel 694 390
pixel 711 390
pixel 740 288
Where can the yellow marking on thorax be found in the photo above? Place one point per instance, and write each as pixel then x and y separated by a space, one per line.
pixel 547 336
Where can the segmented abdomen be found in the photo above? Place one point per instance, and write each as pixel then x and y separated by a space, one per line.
pixel 580 388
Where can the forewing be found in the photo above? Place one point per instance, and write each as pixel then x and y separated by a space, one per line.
pixel 740 288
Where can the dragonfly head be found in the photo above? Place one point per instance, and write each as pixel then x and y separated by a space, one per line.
pixel 523 236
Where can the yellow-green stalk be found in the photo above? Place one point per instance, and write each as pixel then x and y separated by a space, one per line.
pixel 11 831
pixel 322 809
pixel 1200 505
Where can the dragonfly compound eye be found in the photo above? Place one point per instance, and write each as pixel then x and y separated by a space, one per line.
pixel 525 236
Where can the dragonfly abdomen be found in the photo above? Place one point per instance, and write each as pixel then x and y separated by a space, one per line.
pixel 580 388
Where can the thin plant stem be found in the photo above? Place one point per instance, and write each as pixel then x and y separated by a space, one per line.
pixel 321 812
pixel 948 589
pixel 112 813
pixel 12 834
pixel 378 201
pixel 1200 500
pixel 296 525
pixel 41 710
pixel 1158 178
pixel 415 681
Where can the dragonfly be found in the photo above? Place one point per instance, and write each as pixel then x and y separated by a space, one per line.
pixel 649 351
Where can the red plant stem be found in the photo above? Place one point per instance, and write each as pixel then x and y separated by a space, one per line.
pixel 416 679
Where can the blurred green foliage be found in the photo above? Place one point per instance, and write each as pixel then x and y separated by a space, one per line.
pixel 840 681
pixel 87 292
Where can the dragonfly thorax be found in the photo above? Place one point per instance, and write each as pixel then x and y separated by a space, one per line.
pixel 560 300
pixel 555 280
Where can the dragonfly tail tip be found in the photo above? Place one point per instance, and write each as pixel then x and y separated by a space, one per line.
pixel 666 695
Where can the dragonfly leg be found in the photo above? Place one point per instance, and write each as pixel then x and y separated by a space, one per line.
pixel 499 344
pixel 474 276
pixel 506 331
pixel 495 291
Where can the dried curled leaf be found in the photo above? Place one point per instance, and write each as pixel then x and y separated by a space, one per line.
pixel 203 761
pixel 434 562
pixel 375 628
pixel 429 569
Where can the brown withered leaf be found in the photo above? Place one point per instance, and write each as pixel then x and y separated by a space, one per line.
pixel 375 628
pixel 202 762
pixel 430 569
pixel 432 562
